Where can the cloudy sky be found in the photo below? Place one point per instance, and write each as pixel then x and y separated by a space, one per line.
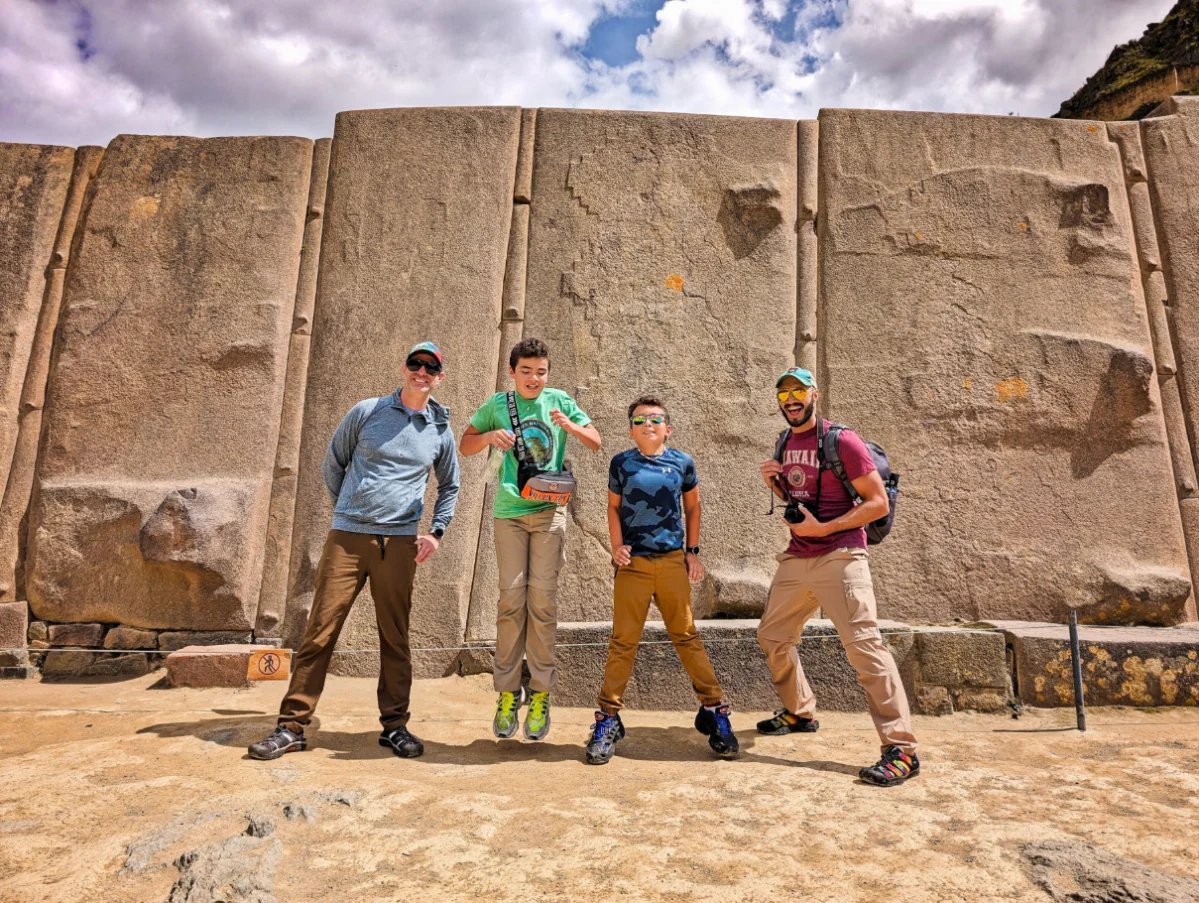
pixel 80 71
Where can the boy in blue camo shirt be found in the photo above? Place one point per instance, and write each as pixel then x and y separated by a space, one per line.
pixel 653 524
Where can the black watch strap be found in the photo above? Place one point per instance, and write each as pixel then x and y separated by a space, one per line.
pixel 693 550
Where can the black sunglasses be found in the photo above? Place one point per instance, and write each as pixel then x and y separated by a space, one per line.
pixel 415 363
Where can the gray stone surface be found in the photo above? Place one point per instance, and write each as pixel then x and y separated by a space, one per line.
pixel 39 634
pixel 130 638
pixel 14 625
pixel 1137 666
pixel 66 665
pixel 651 232
pixel 171 640
pixel 659 681
pixel 958 658
pixel 76 634
pixel 33 188
pixel 163 412
pixel 1016 413
pixel 416 236
pixel 1073 872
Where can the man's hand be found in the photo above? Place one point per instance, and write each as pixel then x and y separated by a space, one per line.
pixel 695 570
pixel 622 556
pixel 426 545
pixel 771 470
pixel 501 439
pixel 807 528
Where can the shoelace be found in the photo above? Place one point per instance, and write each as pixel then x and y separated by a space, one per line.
pixel 723 725
pixel 507 703
pixel 537 707
pixel 600 731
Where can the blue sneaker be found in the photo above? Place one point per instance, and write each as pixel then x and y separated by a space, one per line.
pixel 604 736
pixel 719 729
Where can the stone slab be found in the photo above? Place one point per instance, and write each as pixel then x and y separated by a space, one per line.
pixel 662 257
pixel 1138 666
pixel 171 640
pixel 954 657
pixel 14 625
pixel 1015 412
pixel 76 634
pixel 415 239
pixel 68 665
pixel 33 189
pixel 161 419
pixel 659 681
pixel 130 638
pixel 223 665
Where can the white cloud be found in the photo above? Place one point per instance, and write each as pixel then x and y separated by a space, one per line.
pixel 76 72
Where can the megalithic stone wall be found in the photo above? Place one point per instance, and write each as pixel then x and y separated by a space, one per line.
pixel 662 258
pixel 163 409
pixel 416 232
pixel 982 319
pixel 1170 138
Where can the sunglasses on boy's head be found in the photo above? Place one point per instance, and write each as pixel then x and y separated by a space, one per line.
pixel 643 419
pixel 415 363
pixel 800 395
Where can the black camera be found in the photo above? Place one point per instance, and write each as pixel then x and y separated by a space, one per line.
pixel 793 515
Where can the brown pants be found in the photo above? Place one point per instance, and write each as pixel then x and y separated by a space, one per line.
pixel 346 562
pixel 839 582
pixel 529 552
pixel 663 577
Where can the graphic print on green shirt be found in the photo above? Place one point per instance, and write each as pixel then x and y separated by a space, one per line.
pixel 544 442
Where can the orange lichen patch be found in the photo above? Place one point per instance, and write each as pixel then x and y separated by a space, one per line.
pixel 1011 388
pixel 1022 225
pixel 144 207
pixel 1092 129
pixel 674 281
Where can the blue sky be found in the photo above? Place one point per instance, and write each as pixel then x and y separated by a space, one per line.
pixel 81 71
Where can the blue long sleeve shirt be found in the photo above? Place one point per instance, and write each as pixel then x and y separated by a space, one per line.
pixel 377 467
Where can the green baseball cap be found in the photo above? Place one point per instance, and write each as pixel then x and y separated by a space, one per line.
pixel 804 376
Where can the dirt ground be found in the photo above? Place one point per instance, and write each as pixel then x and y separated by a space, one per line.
pixel 105 786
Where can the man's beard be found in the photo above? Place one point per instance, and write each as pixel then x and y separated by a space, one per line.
pixel 802 418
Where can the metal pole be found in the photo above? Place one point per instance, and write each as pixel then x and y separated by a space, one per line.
pixel 1076 658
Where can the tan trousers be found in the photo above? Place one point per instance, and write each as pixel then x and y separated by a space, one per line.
pixel 529 552
pixel 347 561
pixel 663 577
pixel 839 582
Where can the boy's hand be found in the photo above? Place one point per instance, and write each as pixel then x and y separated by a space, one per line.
pixel 426 545
pixel 501 439
pixel 560 420
pixel 695 570
pixel 771 470
pixel 622 556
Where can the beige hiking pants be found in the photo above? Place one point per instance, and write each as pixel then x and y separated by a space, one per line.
pixel 838 582
pixel 529 552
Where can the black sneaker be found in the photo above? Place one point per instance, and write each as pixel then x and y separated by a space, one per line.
pixel 784 722
pixel 278 742
pixel 895 767
pixel 719 729
pixel 402 743
pixel 608 730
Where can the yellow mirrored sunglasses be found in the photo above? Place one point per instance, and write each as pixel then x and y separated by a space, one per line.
pixel 800 395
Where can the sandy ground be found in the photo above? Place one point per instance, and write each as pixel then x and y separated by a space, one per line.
pixel 103 786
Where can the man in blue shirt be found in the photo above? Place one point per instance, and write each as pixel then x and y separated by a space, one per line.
pixel 653 512
pixel 376 470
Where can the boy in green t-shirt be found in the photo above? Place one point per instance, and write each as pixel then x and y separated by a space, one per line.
pixel 529 535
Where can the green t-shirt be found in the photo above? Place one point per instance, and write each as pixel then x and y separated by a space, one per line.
pixel 544 442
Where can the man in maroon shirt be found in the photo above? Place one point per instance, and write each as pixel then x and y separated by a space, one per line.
pixel 826 567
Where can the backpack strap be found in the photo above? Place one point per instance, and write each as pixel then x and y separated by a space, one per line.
pixel 830 450
pixel 514 417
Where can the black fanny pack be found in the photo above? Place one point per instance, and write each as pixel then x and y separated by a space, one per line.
pixel 535 484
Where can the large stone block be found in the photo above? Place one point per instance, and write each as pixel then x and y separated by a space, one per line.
pixel 225 665
pixel 662 258
pixel 162 416
pixel 14 625
pixel 415 239
pixel 1120 666
pixel 33 188
pixel 980 321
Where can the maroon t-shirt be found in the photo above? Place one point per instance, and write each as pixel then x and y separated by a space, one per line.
pixel 799 478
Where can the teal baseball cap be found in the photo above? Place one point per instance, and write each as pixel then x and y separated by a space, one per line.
pixel 427 348
pixel 804 376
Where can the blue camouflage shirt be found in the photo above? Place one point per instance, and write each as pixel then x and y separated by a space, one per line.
pixel 651 498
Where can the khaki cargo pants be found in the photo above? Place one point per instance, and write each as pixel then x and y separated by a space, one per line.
pixel 664 578
pixel 529 552
pixel 838 582
pixel 347 561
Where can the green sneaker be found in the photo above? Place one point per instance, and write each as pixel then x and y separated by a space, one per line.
pixel 537 722
pixel 507 714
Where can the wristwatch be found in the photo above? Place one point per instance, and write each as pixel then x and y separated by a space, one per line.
pixel 438 532
pixel 692 550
